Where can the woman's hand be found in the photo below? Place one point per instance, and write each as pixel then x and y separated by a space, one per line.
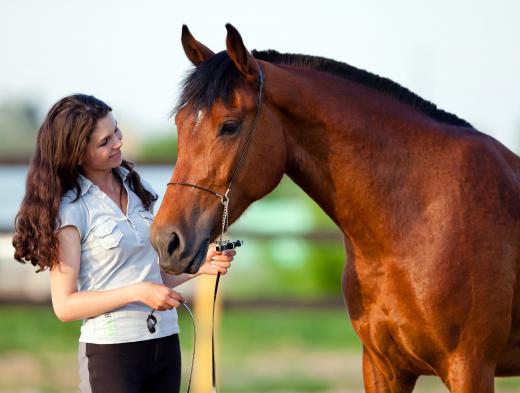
pixel 217 262
pixel 158 296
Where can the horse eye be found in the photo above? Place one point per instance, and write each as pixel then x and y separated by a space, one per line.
pixel 229 128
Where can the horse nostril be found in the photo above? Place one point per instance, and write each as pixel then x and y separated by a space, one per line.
pixel 173 244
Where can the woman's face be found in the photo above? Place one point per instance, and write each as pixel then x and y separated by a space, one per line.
pixel 104 147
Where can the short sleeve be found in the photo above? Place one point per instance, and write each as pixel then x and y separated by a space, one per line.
pixel 71 213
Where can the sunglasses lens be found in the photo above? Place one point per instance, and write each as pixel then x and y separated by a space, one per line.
pixel 151 321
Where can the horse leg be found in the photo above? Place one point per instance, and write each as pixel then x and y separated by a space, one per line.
pixel 380 377
pixel 467 374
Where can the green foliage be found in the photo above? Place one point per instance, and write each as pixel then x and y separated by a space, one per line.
pixel 19 122
pixel 35 330
pixel 325 263
pixel 248 329
pixel 305 270
pixel 160 149
pixel 297 252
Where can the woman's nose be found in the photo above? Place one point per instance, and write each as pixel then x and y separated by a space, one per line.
pixel 118 143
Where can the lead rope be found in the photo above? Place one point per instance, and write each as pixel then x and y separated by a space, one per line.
pixel 225 215
pixel 194 342
pixel 225 202
pixel 151 321
pixel 213 367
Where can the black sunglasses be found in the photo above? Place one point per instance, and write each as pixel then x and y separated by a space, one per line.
pixel 151 321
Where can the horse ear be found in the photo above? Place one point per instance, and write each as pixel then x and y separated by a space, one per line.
pixel 195 51
pixel 243 60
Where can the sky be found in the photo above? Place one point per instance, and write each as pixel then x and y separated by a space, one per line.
pixel 462 55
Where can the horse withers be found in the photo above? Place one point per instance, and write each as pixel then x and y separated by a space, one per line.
pixel 429 206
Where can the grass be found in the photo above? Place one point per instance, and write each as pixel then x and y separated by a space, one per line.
pixel 312 329
pixel 42 349
pixel 262 350
pixel 36 330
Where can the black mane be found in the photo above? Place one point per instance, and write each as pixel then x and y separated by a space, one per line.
pixel 218 78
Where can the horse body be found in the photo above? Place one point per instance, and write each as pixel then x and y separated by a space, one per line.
pixel 422 246
pixel 429 209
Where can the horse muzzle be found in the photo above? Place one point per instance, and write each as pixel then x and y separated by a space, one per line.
pixel 177 253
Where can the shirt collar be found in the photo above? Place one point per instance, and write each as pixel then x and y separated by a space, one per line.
pixel 85 183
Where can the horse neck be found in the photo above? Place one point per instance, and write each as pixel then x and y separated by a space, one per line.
pixel 346 164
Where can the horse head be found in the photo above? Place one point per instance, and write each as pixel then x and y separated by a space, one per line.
pixel 218 120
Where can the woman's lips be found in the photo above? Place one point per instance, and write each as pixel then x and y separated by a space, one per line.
pixel 117 155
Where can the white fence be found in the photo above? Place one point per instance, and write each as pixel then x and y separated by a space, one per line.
pixel 19 282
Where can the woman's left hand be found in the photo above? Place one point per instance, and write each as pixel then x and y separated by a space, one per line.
pixel 217 262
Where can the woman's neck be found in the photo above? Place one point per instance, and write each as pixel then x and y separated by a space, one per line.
pixel 105 180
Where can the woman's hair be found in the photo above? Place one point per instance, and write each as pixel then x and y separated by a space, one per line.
pixel 54 170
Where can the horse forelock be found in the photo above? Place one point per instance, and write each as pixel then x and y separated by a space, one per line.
pixel 215 79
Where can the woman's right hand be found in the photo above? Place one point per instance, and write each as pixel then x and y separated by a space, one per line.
pixel 158 296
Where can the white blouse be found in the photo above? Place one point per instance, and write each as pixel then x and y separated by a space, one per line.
pixel 115 252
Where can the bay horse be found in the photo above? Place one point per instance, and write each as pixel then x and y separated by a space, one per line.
pixel 429 207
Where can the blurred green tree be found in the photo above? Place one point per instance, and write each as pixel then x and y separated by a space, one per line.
pixel 159 150
pixel 19 122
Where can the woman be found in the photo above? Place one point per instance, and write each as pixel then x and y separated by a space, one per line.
pixel 86 216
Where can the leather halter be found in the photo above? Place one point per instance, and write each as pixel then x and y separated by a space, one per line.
pixel 224 199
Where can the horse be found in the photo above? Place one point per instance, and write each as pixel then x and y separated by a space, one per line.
pixel 429 206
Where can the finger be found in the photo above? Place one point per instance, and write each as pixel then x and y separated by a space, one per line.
pixel 212 257
pixel 230 252
pixel 222 258
pixel 164 303
pixel 223 264
pixel 176 296
pixel 212 250
pixel 173 303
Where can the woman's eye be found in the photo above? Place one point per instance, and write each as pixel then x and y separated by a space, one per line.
pixel 229 128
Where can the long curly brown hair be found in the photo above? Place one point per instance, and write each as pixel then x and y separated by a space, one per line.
pixel 54 170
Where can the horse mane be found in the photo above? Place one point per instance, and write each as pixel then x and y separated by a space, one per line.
pixel 217 77
pixel 363 77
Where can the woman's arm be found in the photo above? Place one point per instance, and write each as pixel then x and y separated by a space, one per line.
pixel 71 305
pixel 216 262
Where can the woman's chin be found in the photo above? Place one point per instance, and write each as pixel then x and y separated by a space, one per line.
pixel 116 161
